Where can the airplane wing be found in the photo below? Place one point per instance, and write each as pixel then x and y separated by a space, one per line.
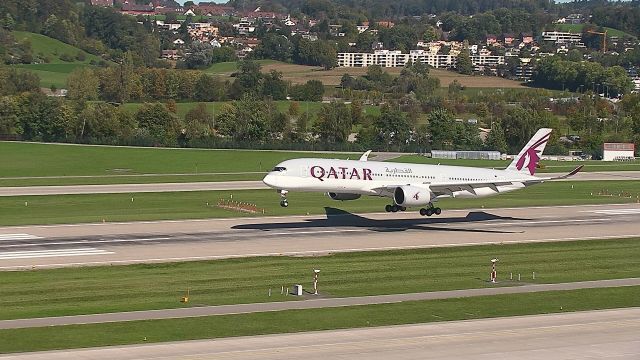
pixel 447 189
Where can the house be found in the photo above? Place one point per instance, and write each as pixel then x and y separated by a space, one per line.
pixel 385 24
pixel 289 22
pixel 190 13
pixel 171 54
pixel 508 39
pixel 105 3
pixel 362 28
pixel 215 43
pixel 135 9
pixel 178 42
pixel 527 38
pixel 491 39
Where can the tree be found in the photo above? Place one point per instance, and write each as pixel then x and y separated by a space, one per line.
pixel 274 46
pixel 464 65
pixel 394 127
pixel 198 122
pixel 83 84
pixel 442 129
pixel 209 88
pixel 334 123
pixel 273 86
pixel 162 125
pixel 8 116
pixel 356 112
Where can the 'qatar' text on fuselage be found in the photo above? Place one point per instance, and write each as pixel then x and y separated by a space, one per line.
pixel 344 173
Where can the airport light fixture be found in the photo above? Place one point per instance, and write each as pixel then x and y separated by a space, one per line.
pixel 315 281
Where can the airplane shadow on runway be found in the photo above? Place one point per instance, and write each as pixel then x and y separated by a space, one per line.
pixel 337 218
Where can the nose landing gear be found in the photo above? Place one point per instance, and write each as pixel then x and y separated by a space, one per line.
pixel 283 198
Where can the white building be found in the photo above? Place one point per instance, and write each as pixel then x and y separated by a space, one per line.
pixel 396 58
pixel 618 151
pixel 561 37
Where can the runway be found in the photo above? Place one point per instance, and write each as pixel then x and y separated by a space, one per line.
pixel 161 241
pixel 606 334
pixel 235 185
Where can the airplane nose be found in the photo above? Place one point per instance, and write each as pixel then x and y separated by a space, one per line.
pixel 269 180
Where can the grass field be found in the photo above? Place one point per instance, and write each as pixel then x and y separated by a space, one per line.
pixel 31 159
pixel 68 291
pixel 299 74
pixel 45 46
pixel 201 204
pixel 136 332
pixel 56 71
pixel 549 166
pixel 577 28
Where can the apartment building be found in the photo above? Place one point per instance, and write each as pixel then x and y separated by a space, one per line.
pixel 396 58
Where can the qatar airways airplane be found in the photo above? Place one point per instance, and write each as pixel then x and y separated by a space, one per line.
pixel 408 185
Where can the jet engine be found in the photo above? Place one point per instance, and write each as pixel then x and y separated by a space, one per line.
pixel 412 196
pixel 343 196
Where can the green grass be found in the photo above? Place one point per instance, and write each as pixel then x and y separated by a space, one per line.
pixel 577 28
pixel 549 166
pixel 69 291
pixel 31 159
pixel 136 332
pixel 42 45
pixel 52 74
pixel 193 205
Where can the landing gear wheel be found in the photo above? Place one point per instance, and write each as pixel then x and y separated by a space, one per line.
pixel 387 208
pixel 403 208
pixel 437 211
pixel 429 212
pixel 284 203
pixel 394 208
pixel 423 211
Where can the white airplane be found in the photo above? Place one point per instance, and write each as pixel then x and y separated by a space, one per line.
pixel 408 185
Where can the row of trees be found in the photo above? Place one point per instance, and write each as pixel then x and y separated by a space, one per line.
pixel 128 83
pixel 555 73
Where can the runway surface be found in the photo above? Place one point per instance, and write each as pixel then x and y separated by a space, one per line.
pixel 606 334
pixel 307 304
pixel 234 185
pixel 161 241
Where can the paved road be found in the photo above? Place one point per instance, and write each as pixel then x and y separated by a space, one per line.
pixel 306 304
pixel 605 334
pixel 160 241
pixel 231 185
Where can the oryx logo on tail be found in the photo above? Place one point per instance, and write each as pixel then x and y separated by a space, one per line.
pixel 531 154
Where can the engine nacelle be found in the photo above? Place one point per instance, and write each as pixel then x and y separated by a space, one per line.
pixel 412 196
pixel 343 196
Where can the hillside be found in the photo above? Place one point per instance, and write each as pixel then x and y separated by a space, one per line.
pixel 55 71
pixel 577 28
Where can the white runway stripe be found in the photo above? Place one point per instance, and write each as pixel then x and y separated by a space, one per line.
pixel 11 255
pixel 617 212
pixel 6 237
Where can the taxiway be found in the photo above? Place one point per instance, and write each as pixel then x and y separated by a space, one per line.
pixel 605 334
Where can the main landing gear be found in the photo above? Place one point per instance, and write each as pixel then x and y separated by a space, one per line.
pixel 283 198
pixel 394 208
pixel 431 210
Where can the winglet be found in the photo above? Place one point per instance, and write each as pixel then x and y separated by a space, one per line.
pixel 573 172
pixel 365 156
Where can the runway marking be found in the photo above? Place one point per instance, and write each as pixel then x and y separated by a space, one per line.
pixel 6 237
pixel 12 255
pixel 315 216
pixel 314 252
pixel 615 211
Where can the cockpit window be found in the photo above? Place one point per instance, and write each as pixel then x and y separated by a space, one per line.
pixel 279 168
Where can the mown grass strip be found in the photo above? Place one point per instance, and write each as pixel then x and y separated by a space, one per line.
pixel 60 209
pixel 135 332
pixel 73 291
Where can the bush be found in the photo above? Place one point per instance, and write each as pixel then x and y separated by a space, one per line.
pixel 66 57
pixel 80 56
